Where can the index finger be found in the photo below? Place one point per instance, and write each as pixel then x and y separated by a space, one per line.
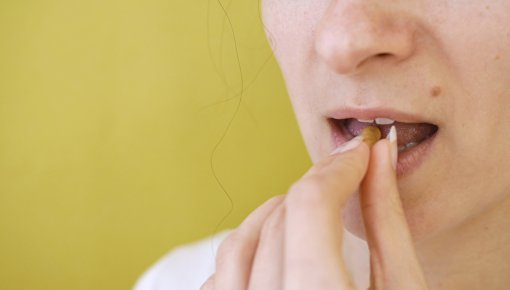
pixel 314 232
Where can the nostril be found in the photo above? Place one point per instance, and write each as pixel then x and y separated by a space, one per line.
pixel 383 55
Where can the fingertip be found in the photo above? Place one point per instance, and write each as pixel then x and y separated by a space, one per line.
pixel 380 175
pixel 381 154
pixel 366 152
pixel 208 284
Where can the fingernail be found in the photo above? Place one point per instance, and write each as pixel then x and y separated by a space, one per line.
pixel 351 144
pixel 392 137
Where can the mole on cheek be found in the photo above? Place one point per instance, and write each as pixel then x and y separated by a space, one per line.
pixel 436 91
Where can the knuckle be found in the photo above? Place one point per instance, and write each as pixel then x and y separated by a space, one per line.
pixel 227 248
pixel 208 284
pixel 274 223
pixel 353 165
pixel 307 192
pixel 382 216
pixel 277 199
pixel 395 206
pixel 383 207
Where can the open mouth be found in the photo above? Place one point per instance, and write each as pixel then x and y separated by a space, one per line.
pixel 410 135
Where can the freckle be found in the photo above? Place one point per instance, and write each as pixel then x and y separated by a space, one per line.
pixel 496 57
pixel 436 91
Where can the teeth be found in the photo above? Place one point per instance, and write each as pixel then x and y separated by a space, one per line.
pixel 384 121
pixel 407 146
pixel 365 120
pixel 378 121
pixel 411 145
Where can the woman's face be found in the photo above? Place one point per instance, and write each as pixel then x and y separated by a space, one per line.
pixel 440 62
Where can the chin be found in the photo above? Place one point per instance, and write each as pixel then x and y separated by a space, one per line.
pixel 352 217
pixel 420 228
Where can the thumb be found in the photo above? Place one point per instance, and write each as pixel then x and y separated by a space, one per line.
pixel 394 264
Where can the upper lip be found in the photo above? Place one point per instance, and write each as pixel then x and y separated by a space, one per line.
pixel 378 112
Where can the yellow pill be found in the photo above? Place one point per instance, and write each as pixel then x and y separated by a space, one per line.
pixel 371 134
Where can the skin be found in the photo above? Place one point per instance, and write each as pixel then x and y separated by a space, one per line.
pixel 446 60
pixel 280 245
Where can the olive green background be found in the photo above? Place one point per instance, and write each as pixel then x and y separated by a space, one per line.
pixel 109 112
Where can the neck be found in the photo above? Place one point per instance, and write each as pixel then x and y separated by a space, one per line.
pixel 476 255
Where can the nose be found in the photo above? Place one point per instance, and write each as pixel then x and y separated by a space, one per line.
pixel 353 35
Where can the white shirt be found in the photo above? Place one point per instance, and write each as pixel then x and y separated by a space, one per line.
pixel 187 267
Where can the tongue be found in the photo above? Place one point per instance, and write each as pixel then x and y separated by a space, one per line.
pixel 406 132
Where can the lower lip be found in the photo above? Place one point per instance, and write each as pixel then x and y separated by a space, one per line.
pixel 408 161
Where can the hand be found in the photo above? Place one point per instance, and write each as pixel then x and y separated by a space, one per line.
pixel 295 241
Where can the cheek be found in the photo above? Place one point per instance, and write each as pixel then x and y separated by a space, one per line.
pixel 478 99
pixel 289 27
pixel 478 55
